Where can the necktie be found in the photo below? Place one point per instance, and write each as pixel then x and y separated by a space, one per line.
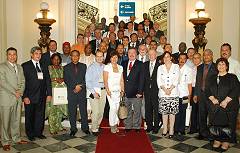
pixel 133 45
pixel 147 30
pixel 98 43
pixel 130 66
pixel 37 67
pixel 205 72
pixel 151 68
pixel 142 58
pixel 75 68
pixel 15 68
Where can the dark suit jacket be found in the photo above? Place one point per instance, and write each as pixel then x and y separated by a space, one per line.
pixel 150 25
pixel 159 33
pixel 36 90
pixel 46 59
pixel 135 26
pixel 72 79
pixel 150 82
pixel 175 56
pixel 136 46
pixel 93 46
pixel 211 71
pixel 135 80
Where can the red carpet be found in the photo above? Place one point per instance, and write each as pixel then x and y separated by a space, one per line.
pixel 130 142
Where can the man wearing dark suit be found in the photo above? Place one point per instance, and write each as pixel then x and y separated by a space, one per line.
pixel 46 57
pixel 74 77
pixel 37 92
pixel 135 25
pixel 134 81
pixel 133 41
pixel 204 72
pixel 151 93
pixel 96 42
pixel 182 49
pixel 145 16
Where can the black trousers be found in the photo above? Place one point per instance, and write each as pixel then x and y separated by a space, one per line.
pixel 203 114
pixel 152 114
pixel 180 118
pixel 34 118
pixel 194 126
pixel 72 110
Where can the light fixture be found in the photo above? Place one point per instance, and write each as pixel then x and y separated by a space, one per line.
pixel 199 19
pixel 44 19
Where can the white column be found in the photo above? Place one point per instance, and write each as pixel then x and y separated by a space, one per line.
pixel 177 23
pixel 231 25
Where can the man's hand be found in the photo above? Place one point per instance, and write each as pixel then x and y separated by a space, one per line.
pixel 18 94
pixel 77 89
pixel 195 99
pixel 223 104
pixel 26 101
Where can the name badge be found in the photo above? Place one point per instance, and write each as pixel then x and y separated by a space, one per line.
pixel 40 75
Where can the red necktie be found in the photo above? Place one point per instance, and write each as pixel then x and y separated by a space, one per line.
pixel 130 66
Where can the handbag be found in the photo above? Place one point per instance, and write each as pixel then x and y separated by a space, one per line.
pixel 220 131
pixel 122 111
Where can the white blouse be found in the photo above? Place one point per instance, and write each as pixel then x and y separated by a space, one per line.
pixel 166 79
pixel 114 78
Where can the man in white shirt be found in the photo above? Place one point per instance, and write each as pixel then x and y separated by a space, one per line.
pixel 234 65
pixel 129 29
pixel 185 92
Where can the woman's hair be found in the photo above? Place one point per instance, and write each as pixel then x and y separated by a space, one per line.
pixel 223 60
pixel 58 55
pixel 162 61
pixel 114 54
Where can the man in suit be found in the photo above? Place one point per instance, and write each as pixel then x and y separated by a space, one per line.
pixel 74 77
pixel 12 84
pixel 37 92
pixel 145 17
pixel 143 53
pixel 182 49
pixel 46 57
pixel 96 42
pixel 135 25
pixel 151 93
pixel 133 41
pixel 204 71
pixel 133 80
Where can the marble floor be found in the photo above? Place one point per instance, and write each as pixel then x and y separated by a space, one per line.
pixel 81 143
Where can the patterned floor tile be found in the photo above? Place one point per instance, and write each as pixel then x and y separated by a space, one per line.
pixel 208 146
pixel 87 147
pixel 169 150
pixel 89 138
pixel 184 147
pixel 45 142
pixel 69 150
pixel 195 142
pixel 166 142
pixel 202 150
pixel 13 150
pixel 56 147
pixel 158 147
pixel 75 142
pixel 180 138
pixel 153 137
pixel 24 147
pixel 36 150
pixel 63 137
pixel 237 146
pixel 233 150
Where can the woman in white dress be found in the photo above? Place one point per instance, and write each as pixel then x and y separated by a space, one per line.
pixel 114 84
pixel 167 80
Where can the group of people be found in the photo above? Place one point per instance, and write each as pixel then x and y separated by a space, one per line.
pixel 135 62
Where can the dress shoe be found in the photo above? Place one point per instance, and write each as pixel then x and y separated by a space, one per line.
pixel 22 142
pixel 31 138
pixel 170 136
pixel 86 132
pixel 148 130
pixel 72 133
pixel 42 137
pixel 6 147
pixel 137 130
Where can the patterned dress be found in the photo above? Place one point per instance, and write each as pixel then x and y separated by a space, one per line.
pixel 55 113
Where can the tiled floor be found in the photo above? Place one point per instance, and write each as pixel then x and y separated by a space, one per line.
pixel 63 143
